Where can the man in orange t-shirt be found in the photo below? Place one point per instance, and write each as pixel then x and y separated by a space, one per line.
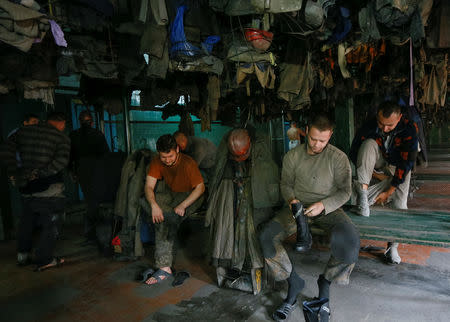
pixel 178 193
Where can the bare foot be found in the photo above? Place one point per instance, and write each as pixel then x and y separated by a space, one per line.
pixel 159 276
pixel 54 263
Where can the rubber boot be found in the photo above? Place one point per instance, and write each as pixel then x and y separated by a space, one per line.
pixel 304 239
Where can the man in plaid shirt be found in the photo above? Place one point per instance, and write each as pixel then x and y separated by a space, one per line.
pixel 384 151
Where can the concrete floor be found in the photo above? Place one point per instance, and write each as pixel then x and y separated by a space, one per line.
pixel 91 288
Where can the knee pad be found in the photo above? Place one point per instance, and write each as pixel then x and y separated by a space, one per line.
pixel 345 242
pixel 266 237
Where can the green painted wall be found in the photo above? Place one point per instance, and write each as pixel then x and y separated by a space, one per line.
pixel 145 135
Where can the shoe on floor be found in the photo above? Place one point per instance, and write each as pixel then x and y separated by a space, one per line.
pixel 317 310
pixel 283 312
pixel 391 254
pixel 23 259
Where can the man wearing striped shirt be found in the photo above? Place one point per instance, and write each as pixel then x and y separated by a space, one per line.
pixel 44 152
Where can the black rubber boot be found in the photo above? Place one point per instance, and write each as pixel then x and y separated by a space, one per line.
pixel 304 239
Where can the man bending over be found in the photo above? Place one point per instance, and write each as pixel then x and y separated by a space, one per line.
pixel 174 189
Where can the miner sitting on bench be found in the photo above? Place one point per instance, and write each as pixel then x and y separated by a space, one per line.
pixel 174 189
pixel 315 183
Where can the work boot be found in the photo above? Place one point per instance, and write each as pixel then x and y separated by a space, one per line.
pixel 242 283
pixel 391 253
pixel 363 201
pixel 304 239
pixel 324 312
pixel 317 310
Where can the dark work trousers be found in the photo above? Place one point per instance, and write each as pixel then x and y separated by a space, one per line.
pixel 85 173
pixel 344 244
pixel 99 178
pixel 40 213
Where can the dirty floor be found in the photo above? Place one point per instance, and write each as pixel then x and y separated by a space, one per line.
pixel 92 288
pixel 89 287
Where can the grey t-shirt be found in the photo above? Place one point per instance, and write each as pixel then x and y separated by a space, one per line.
pixel 324 177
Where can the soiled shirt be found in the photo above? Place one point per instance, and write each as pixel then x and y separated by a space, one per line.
pixel 324 177
pixel 184 176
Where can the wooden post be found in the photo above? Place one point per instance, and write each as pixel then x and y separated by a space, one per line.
pixel 345 126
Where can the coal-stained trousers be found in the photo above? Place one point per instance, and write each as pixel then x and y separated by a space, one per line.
pixel 166 231
pixel 344 244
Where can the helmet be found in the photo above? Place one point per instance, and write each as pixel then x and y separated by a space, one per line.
pixel 259 39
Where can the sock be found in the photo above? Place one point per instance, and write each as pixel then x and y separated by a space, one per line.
pixel 324 287
pixel 295 285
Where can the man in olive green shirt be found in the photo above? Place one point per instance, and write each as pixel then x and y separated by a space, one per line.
pixel 318 175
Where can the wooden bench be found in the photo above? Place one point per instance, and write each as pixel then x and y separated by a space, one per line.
pixel 405 226
pixel 420 227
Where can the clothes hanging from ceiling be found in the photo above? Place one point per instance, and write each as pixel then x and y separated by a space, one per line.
pixel 434 84
pixel 20 26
